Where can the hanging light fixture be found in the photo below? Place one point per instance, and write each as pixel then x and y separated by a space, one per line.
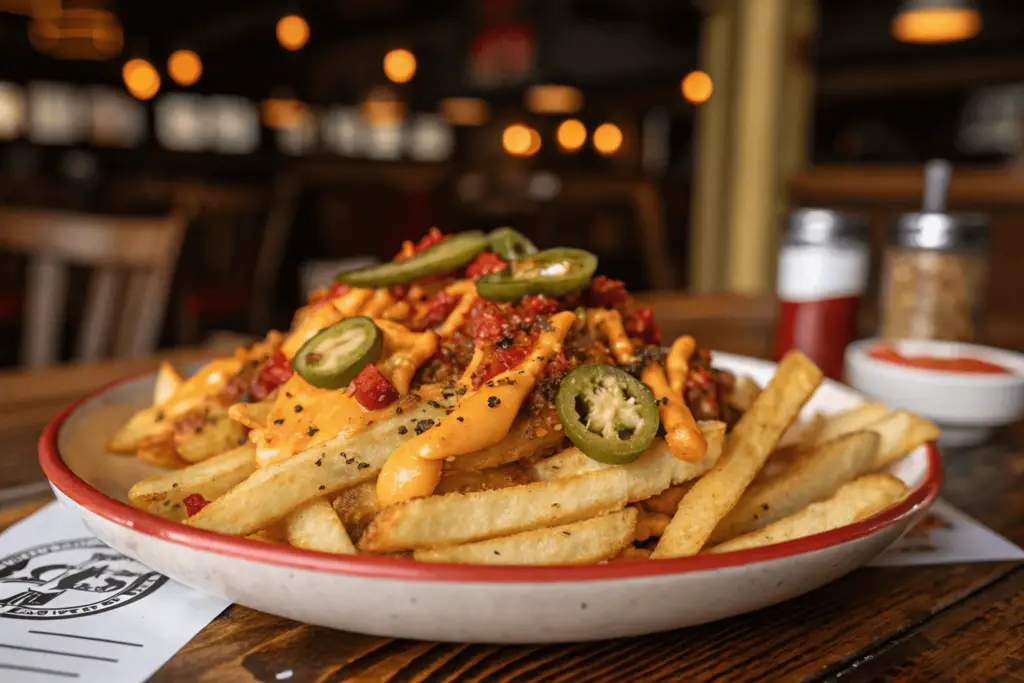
pixel 936 21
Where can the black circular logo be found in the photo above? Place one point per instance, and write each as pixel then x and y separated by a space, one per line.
pixel 72 578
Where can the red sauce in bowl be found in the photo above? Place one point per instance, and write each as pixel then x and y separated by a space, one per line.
pixel 944 364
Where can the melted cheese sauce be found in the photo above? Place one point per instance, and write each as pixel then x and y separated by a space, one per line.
pixel 457 318
pixel 677 364
pixel 207 382
pixel 323 314
pixel 483 419
pixel 609 322
pixel 684 438
pixel 324 414
pixel 378 303
pixel 405 351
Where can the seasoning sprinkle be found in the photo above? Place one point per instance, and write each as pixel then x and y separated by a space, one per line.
pixel 312 430
pixel 319 462
pixel 433 404
pixel 403 430
pixel 460 418
pixel 398 410
pixel 490 383
pixel 199 429
pixel 349 461
pixel 279 421
pixel 566 533
pixel 287 394
pixel 242 440
pixel 298 408
pixel 422 426
pixel 505 343
pixel 493 401
pixel 322 487
pixel 174 485
pixel 460 391
pixel 363 465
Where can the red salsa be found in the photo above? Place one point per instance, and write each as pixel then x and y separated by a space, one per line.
pixel 944 364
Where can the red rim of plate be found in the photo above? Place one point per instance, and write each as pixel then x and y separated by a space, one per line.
pixel 68 483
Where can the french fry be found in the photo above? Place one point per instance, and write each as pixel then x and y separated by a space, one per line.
pixel 814 474
pixel 743 393
pixel 654 471
pixel 271 492
pixel 216 434
pixel 853 420
pixel 211 478
pixel 667 502
pixel 252 415
pixel 632 554
pixel 528 438
pixel 356 507
pixel 458 518
pixel 159 450
pixel 900 433
pixel 316 526
pixel 752 440
pixel 853 502
pixel 586 542
pixel 144 424
pixel 167 382
pixel 511 474
pixel 650 525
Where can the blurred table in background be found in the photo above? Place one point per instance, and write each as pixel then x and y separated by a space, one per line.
pixel 957 622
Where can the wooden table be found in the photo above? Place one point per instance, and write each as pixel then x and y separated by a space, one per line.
pixel 950 623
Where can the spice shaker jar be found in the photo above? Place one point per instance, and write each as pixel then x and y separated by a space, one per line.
pixel 933 277
pixel 934 269
pixel 823 273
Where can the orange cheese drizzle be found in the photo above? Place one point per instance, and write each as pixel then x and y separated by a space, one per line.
pixel 609 322
pixel 684 438
pixel 677 364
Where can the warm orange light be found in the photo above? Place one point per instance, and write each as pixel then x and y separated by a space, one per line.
pixel 399 65
pixel 697 87
pixel 141 78
pixel 517 140
pixel 554 99
pixel 292 32
pixel 607 139
pixel 465 111
pixel 936 24
pixel 535 143
pixel 571 135
pixel 282 112
pixel 184 67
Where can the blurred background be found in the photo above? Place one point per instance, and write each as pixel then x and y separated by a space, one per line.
pixel 172 171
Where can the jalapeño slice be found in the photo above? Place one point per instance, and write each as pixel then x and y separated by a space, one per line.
pixel 335 355
pixel 454 252
pixel 510 244
pixel 554 272
pixel 607 413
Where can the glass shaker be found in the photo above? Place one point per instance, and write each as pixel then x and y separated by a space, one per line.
pixel 823 274
pixel 934 269
pixel 933 277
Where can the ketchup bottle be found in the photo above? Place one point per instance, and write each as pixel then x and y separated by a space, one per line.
pixel 823 272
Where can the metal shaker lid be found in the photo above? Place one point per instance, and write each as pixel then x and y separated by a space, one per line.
pixel 941 231
pixel 820 227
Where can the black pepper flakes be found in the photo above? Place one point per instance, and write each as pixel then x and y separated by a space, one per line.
pixel 398 410
pixel 298 408
pixel 493 401
pixel 160 416
pixel 198 430
pixel 490 383
pixel 287 394
pixel 460 418
pixel 174 485
pixel 363 465
pixel 279 421
pixel 422 426
pixel 322 487
pixel 497 553
pixel 311 431
pixel 460 391
pixel 433 404
pixel 505 343
pixel 566 533
pixel 242 440
pixel 319 462
pixel 403 430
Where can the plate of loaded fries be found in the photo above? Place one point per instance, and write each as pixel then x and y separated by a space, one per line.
pixel 482 442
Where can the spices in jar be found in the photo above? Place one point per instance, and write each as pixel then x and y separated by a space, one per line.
pixel 823 272
pixel 933 276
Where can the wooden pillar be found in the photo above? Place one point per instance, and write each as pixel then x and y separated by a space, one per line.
pixel 797 120
pixel 755 167
pixel 708 214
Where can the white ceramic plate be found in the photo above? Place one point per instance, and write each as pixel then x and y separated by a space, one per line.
pixel 462 603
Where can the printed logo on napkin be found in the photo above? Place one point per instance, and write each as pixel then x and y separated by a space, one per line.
pixel 948 536
pixel 72 607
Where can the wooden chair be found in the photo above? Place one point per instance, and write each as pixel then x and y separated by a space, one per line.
pixel 132 261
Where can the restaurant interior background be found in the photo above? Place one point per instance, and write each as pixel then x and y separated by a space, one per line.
pixel 170 172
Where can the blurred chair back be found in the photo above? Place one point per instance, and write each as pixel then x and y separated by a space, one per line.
pixel 131 262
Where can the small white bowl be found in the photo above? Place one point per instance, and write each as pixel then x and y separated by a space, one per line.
pixel 968 406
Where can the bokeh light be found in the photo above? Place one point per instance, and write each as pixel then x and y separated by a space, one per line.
pixel 697 87
pixel 607 139
pixel 399 65
pixel 141 79
pixel 292 32
pixel 571 135
pixel 184 67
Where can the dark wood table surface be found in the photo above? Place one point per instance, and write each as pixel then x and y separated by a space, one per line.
pixel 949 623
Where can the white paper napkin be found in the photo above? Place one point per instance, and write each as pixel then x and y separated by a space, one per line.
pixel 948 536
pixel 71 608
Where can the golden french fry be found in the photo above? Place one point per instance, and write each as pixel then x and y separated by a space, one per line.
pixel 159 450
pixel 528 438
pixel 146 423
pixel 753 438
pixel 823 428
pixel 252 415
pixel 316 526
pixel 167 382
pixel 667 502
pixel 512 474
pixel 211 479
pixel 654 471
pixel 854 501
pixel 743 392
pixel 586 542
pixel 631 554
pixel 215 435
pixel 814 474
pixel 356 507
pixel 650 525
pixel 458 518
pixel 271 492
pixel 900 433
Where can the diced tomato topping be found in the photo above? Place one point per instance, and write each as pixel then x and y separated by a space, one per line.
pixel 487 322
pixel 485 263
pixel 642 324
pixel 194 503
pixel 607 292
pixel 538 304
pixel 502 360
pixel 434 236
pixel 276 370
pixel 337 289
pixel 557 366
pixel 439 308
pixel 372 389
